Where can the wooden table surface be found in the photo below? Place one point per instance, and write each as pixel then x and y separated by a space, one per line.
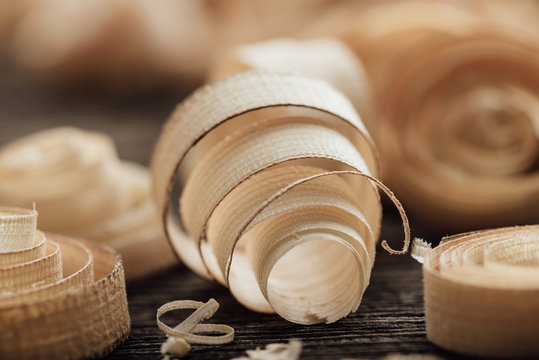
pixel 390 318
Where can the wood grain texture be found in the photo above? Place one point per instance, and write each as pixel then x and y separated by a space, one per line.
pixel 390 318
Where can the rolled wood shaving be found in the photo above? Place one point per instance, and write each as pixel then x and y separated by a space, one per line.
pixel 312 198
pixel 404 357
pixel 482 293
pixel 80 312
pixel 473 140
pixel 82 189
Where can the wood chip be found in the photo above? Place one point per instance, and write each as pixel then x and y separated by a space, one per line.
pixel 456 101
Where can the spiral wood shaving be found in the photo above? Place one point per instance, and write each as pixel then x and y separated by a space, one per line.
pixel 290 351
pixel 59 298
pixel 279 198
pixel 82 189
pixel 462 135
pixel 146 43
pixel 482 293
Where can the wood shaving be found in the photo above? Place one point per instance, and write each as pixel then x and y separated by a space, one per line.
pixel 188 331
pixel 280 193
pixel 82 189
pixel 175 347
pixel 482 293
pixel 460 151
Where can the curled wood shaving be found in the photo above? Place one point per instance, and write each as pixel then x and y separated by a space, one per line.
pixel 59 298
pixel 82 189
pixel 280 194
pixel 460 151
pixel 404 357
pixel 326 59
pixel 187 332
pixel 290 351
pixel 175 347
pixel 482 293
pixel 158 43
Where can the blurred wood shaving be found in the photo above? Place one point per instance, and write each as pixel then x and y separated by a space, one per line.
pixel 483 286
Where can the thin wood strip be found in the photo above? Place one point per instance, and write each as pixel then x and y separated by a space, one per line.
pixel 68 317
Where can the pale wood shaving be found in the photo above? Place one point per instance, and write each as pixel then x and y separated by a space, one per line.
pixel 175 347
pixel 420 249
pixel 280 190
pixel 482 293
pixel 323 58
pixel 185 333
pixel 82 189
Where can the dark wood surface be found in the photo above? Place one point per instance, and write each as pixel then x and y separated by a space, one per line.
pixel 390 318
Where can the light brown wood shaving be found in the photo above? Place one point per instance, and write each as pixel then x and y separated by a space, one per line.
pixel 280 193
pixel 411 357
pixel 456 94
pixel 482 293
pixel 82 189
pixel 175 347
pixel 59 298
pixel 404 357
pixel 147 43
